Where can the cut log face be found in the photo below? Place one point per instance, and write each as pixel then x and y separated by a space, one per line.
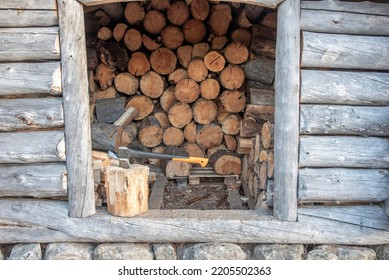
pixel 200 49
pixel 173 137
pixel 267 135
pixel 160 5
pixel 220 19
pixel 231 125
pixel 193 149
pixel 149 43
pixel 104 33
pixel 176 168
pixel 142 104
pixel 232 77
pixel 209 136
pixel 190 132
pixel 162 118
pixel 221 113
pixel 226 163
pixel 242 35
pixel 152 84
pixel 168 98
pixel 129 134
pixel 104 75
pixel 163 61
pixel 197 70
pixel 126 83
pixel 184 55
pixel 219 42
pixel 187 91
pixel 204 111
pixel 172 37
pixel 138 64
pixel 199 9
pixel 231 143
pixel 214 61
pixel 178 13
pixel 133 39
pixel 233 101
pixel 119 31
pixel 110 109
pixel 253 12
pixel 209 89
pixel 177 76
pixel 194 31
pixel 134 13
pixel 150 132
pixel 180 114
pixel 236 53
pixel 154 22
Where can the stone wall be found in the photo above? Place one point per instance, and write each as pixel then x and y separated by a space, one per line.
pixel 199 251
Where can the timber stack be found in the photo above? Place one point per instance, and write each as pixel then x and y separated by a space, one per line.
pixel 189 77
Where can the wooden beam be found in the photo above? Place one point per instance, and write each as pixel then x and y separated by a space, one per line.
pixel 29 4
pixel 30 114
pixel 31 147
pixel 345 51
pixel 357 226
pixel 28 18
pixel 30 78
pixel 36 180
pixel 344 151
pixel 344 120
pixel 287 86
pixel 76 109
pixel 343 22
pixel 29 43
pixel 340 87
pixel 343 185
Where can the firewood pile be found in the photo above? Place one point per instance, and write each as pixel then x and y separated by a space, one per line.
pixel 189 78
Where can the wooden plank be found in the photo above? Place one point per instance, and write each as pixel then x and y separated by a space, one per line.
pixel 36 180
pixel 30 78
pixel 76 109
pixel 346 120
pixel 29 114
pixel 29 43
pixel 362 7
pixel 244 226
pixel 344 151
pixel 340 87
pixel 30 147
pixel 29 4
pixel 156 195
pixel 345 51
pixel 28 18
pixel 343 185
pixel 343 22
pixel 287 87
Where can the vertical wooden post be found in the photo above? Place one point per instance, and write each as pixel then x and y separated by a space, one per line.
pixel 76 109
pixel 287 85
pixel 386 206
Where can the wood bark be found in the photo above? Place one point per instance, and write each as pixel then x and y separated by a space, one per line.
pixel 138 65
pixel 260 70
pixel 112 55
pixel 209 89
pixel 209 136
pixel 142 104
pixel 249 127
pixel 253 12
pixel 152 84
pixel 260 112
pixel 129 134
pixel 106 136
pixel 261 96
pixel 163 61
pixel 187 91
pixel 214 61
pixel 204 111
pixel 232 77
pixel 180 114
pixel 260 31
pixel 108 110
pixel 150 132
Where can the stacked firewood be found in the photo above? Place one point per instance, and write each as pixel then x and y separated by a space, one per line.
pixel 185 78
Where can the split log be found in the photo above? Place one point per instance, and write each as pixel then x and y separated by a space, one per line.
pixel 158 150
pixel 232 77
pixel 129 134
pixel 193 149
pixel 204 111
pixel 221 113
pixel 162 118
pixel 173 137
pixel 259 112
pixel 119 31
pixel 270 20
pixel 127 117
pixel 209 136
pixel 152 84
pixel 168 98
pixel 176 168
pixel 178 13
pixel 231 125
pixel 127 190
pixel 172 37
pixel 104 33
pixel 242 35
pixel 184 55
pixel 242 20
pixel 190 132
pixel 214 61
pixel 199 9
pixel 260 70
pixel 231 143
pixel 249 127
pixel 126 83
pixel 138 64
pixel 209 89
pixel 197 70
pixel 110 109
pixel 263 156
pixel 149 43
pixel 263 176
pixel 264 47
pixel 163 61
pixel 154 22
pixel 180 114
pixel 261 96
pixel 194 31
pixel 106 136
pixel 177 76
pixel 233 101
pixel 236 53
pixel 253 12
pixel 200 49
pixel 160 5
pixel 219 42
pixel 150 132
pixel 220 18
pixel 113 55
pixel 104 18
pixel 143 104
pixel 187 91
pixel 270 165
pixel 226 163
pixel 133 39
pixel 110 92
pixel 213 150
pixel 114 10
pixel 104 75
pixel 134 13
pixel 267 135
pixel 244 146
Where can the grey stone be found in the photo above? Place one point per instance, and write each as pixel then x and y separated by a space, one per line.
pixel 164 251
pixel 26 252
pixel 123 251
pixel 69 251
pixel 325 252
pixel 1 255
pixel 214 251
pixel 382 252
pixel 279 252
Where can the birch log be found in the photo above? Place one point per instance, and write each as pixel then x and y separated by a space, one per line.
pixel 343 185
pixel 29 4
pixel 344 151
pixel 345 51
pixel 76 110
pixel 28 18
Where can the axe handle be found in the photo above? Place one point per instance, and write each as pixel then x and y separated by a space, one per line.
pixel 201 161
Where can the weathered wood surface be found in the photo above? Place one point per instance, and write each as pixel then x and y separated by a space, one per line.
pixel 340 87
pixel 346 120
pixel 30 78
pixel 364 226
pixel 386 206
pixel 362 7
pixel 343 22
pixel 343 185
pixel 36 180
pixel 29 4
pixel 36 113
pixel 287 82
pixel 27 18
pixel 156 195
pixel 30 147
pixel 76 110
pixel 29 43
pixel 344 151
pixel 345 51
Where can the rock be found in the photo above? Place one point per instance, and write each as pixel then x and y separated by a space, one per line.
pixel 123 251
pixel 382 252
pixel 26 252
pixel 333 252
pixel 214 251
pixel 279 252
pixel 69 251
pixel 164 251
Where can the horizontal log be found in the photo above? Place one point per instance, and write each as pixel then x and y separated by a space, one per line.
pixel 339 87
pixel 343 22
pixel 345 51
pixel 362 7
pixel 26 114
pixel 343 185
pixel 28 18
pixel 29 43
pixel 29 4
pixel 30 147
pixel 36 180
pixel 344 151
pixel 346 120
